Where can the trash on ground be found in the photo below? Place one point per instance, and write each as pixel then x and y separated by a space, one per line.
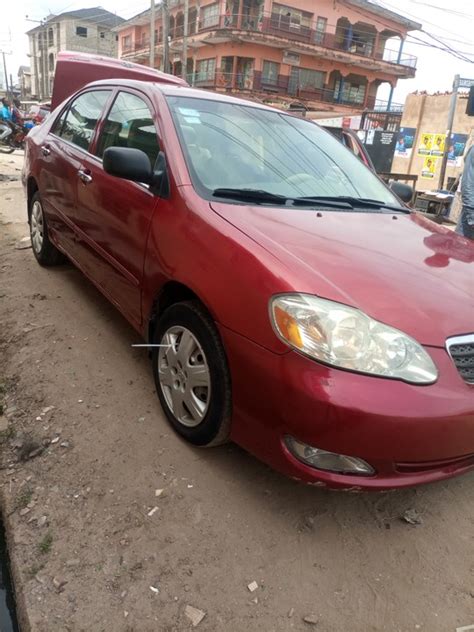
pixel 412 517
pixel 194 614
pixel 252 586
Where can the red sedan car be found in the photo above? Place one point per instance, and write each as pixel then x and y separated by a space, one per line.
pixel 292 303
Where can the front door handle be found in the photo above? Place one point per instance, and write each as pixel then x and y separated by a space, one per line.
pixel 84 176
pixel 45 150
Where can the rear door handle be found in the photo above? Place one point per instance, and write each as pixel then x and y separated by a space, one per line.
pixel 84 176
pixel 45 150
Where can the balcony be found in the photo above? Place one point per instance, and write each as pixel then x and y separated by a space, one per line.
pixel 282 85
pixel 345 39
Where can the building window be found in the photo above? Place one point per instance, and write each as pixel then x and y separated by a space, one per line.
pixel 350 93
pixel 126 43
pixel 206 70
pixel 50 37
pixel 51 62
pixel 116 38
pixel 102 35
pixel 321 24
pixel 290 19
pixel 209 16
pixel 311 79
pixel 81 31
pixel 270 73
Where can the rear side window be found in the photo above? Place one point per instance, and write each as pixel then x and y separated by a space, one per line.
pixel 129 124
pixel 78 124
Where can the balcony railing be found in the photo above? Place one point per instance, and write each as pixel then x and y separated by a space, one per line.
pixel 363 45
pixel 286 85
pixel 272 24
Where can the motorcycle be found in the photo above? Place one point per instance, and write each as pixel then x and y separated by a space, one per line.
pixel 16 140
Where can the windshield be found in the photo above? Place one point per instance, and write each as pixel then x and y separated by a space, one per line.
pixel 234 146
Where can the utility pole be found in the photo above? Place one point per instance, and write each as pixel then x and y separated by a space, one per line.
pixel 449 131
pixel 152 34
pixel 185 41
pixel 166 44
pixel 5 73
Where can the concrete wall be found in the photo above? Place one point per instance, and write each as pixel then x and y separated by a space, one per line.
pixel 429 115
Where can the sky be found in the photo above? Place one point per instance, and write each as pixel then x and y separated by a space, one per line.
pixel 435 68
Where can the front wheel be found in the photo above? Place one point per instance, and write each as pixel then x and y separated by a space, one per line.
pixel 191 375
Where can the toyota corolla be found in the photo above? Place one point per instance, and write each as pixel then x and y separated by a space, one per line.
pixel 291 301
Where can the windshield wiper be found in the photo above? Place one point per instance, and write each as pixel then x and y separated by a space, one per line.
pixel 251 195
pixel 260 195
pixel 353 202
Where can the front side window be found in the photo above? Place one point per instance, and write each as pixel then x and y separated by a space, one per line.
pixel 129 124
pixel 81 118
pixel 81 31
pixel 235 146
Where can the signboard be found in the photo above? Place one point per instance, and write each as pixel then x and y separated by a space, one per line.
pixel 293 59
pixel 380 147
pixel 405 140
pixel 438 145
pixel 429 167
pixel 426 144
pixel 465 83
pixel 456 148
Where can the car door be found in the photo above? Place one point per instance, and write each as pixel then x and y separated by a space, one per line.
pixel 114 215
pixel 62 154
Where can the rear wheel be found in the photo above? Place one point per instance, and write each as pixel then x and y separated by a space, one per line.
pixel 45 252
pixel 191 375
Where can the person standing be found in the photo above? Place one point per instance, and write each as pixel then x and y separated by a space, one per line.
pixel 465 225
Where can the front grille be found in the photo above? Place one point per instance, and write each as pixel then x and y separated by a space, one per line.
pixel 461 350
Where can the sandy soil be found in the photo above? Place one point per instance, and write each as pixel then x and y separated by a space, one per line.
pixel 78 485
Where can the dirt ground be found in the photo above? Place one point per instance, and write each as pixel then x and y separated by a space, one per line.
pixel 78 492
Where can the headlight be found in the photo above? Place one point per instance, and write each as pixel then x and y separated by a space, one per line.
pixel 347 338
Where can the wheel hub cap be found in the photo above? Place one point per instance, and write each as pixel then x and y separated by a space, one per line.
pixel 36 227
pixel 184 376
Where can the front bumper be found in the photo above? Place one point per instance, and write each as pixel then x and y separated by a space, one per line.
pixel 409 434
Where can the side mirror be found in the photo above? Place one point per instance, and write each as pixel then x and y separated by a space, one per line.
pixel 133 164
pixel 129 164
pixel 403 191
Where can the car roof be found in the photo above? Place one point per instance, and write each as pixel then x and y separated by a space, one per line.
pixel 177 90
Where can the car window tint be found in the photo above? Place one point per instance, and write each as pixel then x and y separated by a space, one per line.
pixel 82 116
pixel 129 124
pixel 58 123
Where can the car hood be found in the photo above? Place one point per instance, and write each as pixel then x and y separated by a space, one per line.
pixel 403 270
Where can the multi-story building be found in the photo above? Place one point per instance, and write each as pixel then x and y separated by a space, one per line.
pixel 24 82
pixel 85 30
pixel 333 54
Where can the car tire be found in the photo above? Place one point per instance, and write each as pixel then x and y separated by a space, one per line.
pixel 45 252
pixel 192 376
